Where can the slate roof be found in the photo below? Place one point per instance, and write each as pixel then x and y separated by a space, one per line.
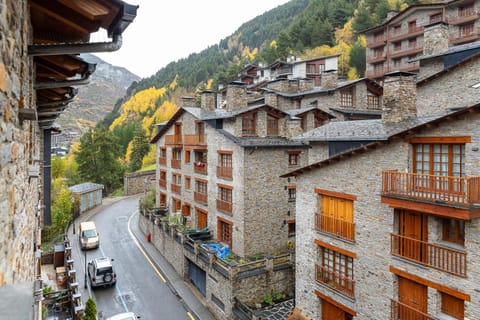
pixel 249 142
pixel 451 50
pixel 85 187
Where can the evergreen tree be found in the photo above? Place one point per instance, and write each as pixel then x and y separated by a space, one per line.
pixel 140 148
pixel 357 58
pixel 381 11
pixel 363 20
pixel 90 310
pixel 97 159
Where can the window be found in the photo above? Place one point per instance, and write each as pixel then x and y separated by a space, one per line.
pixel 176 185
pixel 162 182
pixel 163 199
pixel 188 183
pixel 200 195
pixel 187 156
pixel 445 160
pixel 249 124
pixel 465 30
pixel 177 205
pixel 397 62
pixel 292 193
pixel 437 17
pixel 224 200
pixel 397 29
pixel 335 268
pixel 311 68
pixel 412 26
pixel 291 227
pixel 319 120
pixel 453 231
pixel 303 123
pixel 202 218
pixel 335 215
pixel 346 97
pixel 466 10
pixel 224 170
pixel 378 52
pixel 373 102
pixel 378 36
pixel 163 156
pixel 272 125
pixel 293 158
pixel 412 43
pixel 225 231
pixel 397 46
pixel 452 306
pixel 378 68
pixel 186 209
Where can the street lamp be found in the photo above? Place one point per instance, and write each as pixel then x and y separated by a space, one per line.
pixel 85 283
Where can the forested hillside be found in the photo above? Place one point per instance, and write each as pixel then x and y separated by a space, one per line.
pixel 304 28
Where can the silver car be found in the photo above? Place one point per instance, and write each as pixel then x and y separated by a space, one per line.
pixel 101 272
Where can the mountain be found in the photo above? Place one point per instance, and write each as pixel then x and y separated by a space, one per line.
pixel 94 101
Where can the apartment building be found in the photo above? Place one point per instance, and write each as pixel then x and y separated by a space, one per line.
pixel 38 71
pixel 394 45
pixel 388 230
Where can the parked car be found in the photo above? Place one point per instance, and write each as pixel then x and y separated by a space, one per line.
pixel 124 316
pixel 88 235
pixel 101 272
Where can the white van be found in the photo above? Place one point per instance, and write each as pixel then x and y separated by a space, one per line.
pixel 88 235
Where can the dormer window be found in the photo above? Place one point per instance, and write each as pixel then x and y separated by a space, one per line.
pixel 346 97
pixel 249 124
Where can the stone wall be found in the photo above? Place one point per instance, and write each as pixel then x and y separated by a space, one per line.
pixel 138 182
pixel 19 150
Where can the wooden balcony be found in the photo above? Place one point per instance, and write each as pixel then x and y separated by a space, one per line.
pixel 173 140
pixel 336 227
pixel 224 206
pixel 400 311
pixel 465 37
pixel 334 280
pixel 428 254
pixel 200 167
pixel 410 33
pixel 200 197
pixel 405 52
pixel 376 58
pixel 376 73
pixel 224 172
pixel 195 140
pixel 175 163
pixel 162 161
pixel 376 42
pixel 162 183
pixel 176 188
pixel 464 16
pixel 463 191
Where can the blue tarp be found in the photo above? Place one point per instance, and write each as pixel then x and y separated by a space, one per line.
pixel 221 250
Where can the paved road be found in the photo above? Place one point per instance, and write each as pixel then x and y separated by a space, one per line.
pixel 141 287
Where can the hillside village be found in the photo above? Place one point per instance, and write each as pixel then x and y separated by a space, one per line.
pixel 293 193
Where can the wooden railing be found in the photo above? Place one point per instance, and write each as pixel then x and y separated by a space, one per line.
pixel 173 139
pixel 200 197
pixel 401 311
pixel 195 139
pixel 162 183
pixel 376 41
pixel 410 32
pixel 176 188
pixel 224 206
pixel 162 161
pixel 334 280
pixel 443 189
pixel 337 227
pixel 429 254
pixel 174 163
pixel 200 167
pixel 464 16
pixel 465 37
pixel 224 172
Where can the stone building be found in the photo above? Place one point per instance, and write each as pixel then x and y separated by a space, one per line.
pixel 389 230
pixel 38 71
pixel 394 44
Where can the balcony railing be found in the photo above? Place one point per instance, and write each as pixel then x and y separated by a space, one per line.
pixel 401 311
pixel 200 167
pixel 377 58
pixel 200 197
pixel 162 161
pixel 337 227
pixel 443 189
pixel 429 254
pixel 465 37
pixel 464 16
pixel 195 139
pixel 334 280
pixel 411 32
pixel 176 163
pixel 162 183
pixel 224 206
pixel 376 41
pixel 173 139
pixel 224 172
pixel 176 188
pixel 405 52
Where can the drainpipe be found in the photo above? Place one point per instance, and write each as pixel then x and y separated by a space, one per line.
pixel 67 83
pixel 75 48
pixel 47 174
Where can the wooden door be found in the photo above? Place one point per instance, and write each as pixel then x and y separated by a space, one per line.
pixel 413 300
pixel 202 220
pixel 413 229
pixel 331 312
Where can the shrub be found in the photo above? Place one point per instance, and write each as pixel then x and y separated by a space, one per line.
pixel 90 310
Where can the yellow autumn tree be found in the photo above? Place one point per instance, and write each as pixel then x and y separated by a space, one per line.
pixel 174 83
pixel 128 153
pixel 345 34
pixel 149 159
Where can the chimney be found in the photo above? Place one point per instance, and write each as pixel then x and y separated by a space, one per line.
pixel 236 96
pixel 329 79
pixel 187 102
pixel 435 38
pixel 208 100
pixel 271 99
pixel 399 97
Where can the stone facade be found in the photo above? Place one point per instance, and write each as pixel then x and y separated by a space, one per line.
pixel 375 285
pixel 399 97
pixel 20 181
pixel 138 182
pixel 435 39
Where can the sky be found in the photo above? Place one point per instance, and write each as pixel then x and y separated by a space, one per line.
pixel 166 31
